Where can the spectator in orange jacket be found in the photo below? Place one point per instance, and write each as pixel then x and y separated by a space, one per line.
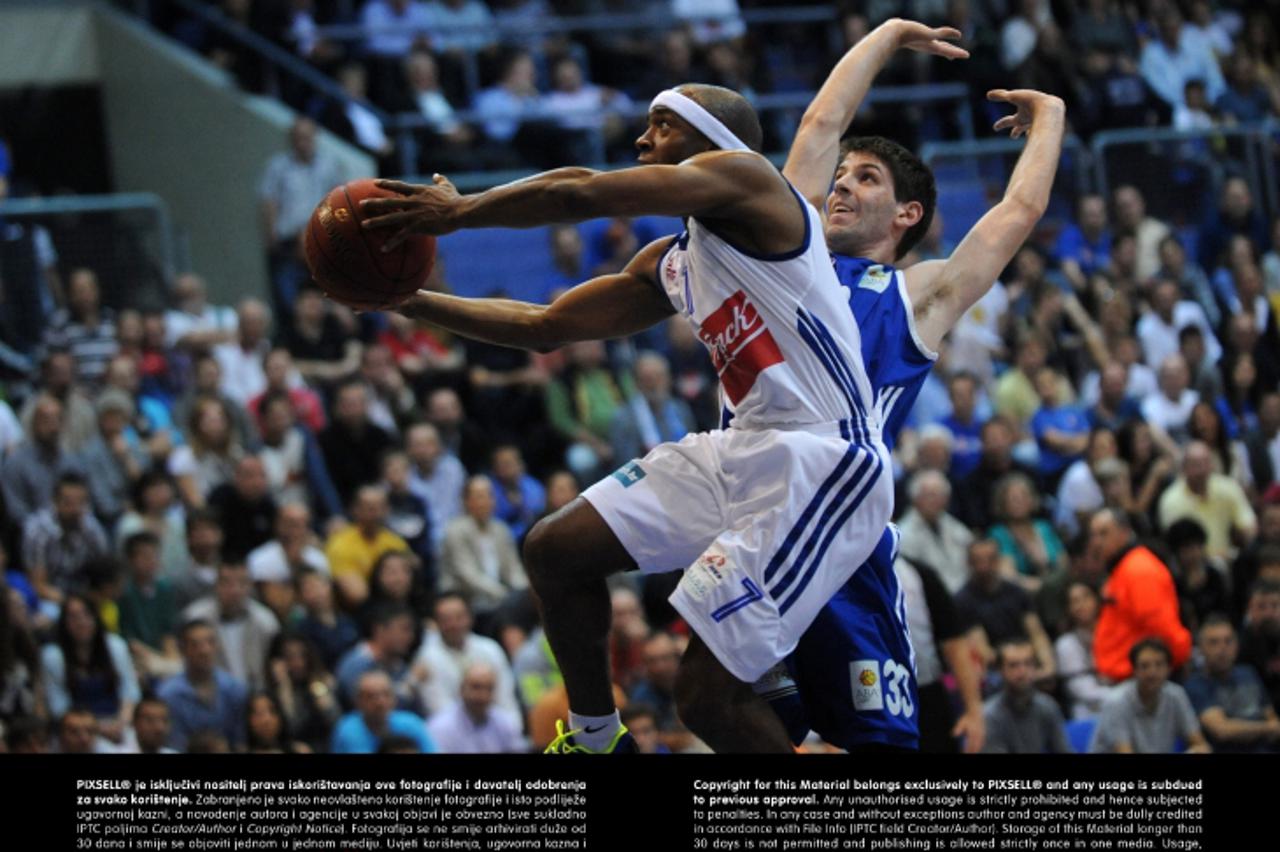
pixel 1138 599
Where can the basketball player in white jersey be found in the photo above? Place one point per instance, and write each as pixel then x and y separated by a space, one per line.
pixel 749 511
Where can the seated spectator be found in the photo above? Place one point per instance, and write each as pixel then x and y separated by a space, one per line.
pixel 657 689
pixel 1216 501
pixel 1263 444
pixel 1140 599
pixel 581 404
pixel 333 633
pixel 387 650
pixel 651 415
pixel 78 421
pixel 353 550
pixel 1061 431
pixel 84 327
pixel 59 541
pixel 457 432
pixel 421 353
pixel 452 648
pixel 89 668
pixel 974 497
pixel 1085 691
pixel 276 566
pixel 393 27
pixel 1168 314
pixel 1205 425
pixel 245 627
pixel 353 446
pixel 1080 492
pixel 207 383
pixel 1015 394
pixel 391 400
pixel 114 459
pixel 932 536
pixel 283 378
pixel 20 697
pixel 376 719
pixel 209 457
pixel 409 516
pixel 1201 579
pixel 519 499
pixel 193 323
pixel 1235 213
pixel 964 424
pixel 1029 543
pixel 587 112
pixel 1260 641
pixel 445 141
pixel 435 475
pixel 203 696
pixel 1229 698
pixel 78 733
pixel 294 463
pixel 151 425
pixel 324 349
pixel 31 469
pixel 305 690
pixel 1176 56
pixel 149 608
pixel 1021 719
pixel 265 729
pixel 241 359
pixel 151 727
pixel 461 26
pixel 396 579
pixel 504 108
pixel 1001 607
pixel 1131 218
pixel 479 558
pixel 245 507
pixel 1241 395
pixel 1147 715
pixel 201 554
pixel 628 631
pixel 641 721
pixel 473 723
pixel 1193 282
pixel 353 117
pixel 1168 411
pixel 1084 246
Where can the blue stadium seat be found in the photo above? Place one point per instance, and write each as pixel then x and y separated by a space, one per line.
pixel 1079 733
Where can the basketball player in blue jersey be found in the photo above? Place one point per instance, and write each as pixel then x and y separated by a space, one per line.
pixel 854 667
pixel 752 511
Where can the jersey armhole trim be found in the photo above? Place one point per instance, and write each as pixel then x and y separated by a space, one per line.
pixel 911 317
pixel 657 272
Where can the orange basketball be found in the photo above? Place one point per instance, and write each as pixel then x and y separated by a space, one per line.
pixel 348 262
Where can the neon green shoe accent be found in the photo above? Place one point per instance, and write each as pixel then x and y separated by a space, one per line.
pixel 564 744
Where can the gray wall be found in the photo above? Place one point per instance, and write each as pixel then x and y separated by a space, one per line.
pixel 176 126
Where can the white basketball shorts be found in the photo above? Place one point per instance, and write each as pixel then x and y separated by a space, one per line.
pixel 767 525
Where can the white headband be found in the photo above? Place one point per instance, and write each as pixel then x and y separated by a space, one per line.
pixel 704 122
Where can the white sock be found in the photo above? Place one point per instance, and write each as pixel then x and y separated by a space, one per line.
pixel 594 732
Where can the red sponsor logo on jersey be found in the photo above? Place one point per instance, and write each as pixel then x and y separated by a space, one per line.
pixel 740 344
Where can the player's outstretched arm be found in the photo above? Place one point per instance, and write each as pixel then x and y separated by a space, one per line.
pixel 942 291
pixel 714 184
pixel 816 149
pixel 602 308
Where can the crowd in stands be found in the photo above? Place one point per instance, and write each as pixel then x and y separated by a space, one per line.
pixel 286 527
pixel 491 87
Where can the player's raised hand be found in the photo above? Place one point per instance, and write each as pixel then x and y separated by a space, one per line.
pixel 1029 103
pixel 417 209
pixel 912 35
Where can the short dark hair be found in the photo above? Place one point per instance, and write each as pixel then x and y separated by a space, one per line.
pixel 1185 531
pixel 194 624
pixel 912 181
pixel 139 539
pixel 1217 619
pixel 70 479
pixel 384 614
pixel 1014 642
pixel 731 109
pixel 1151 643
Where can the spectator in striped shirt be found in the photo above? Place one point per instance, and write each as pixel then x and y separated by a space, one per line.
pixel 84 328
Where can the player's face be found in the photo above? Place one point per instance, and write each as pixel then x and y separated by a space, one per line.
pixel 668 139
pixel 861 207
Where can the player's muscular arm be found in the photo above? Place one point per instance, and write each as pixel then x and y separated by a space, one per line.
pixel 942 291
pixel 602 308
pixel 736 186
pixel 816 149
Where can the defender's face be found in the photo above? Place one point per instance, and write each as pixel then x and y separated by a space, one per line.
pixel 668 139
pixel 861 207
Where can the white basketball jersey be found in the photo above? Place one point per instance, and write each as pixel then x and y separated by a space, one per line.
pixel 779 330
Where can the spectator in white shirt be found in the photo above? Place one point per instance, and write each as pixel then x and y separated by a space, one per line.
pixel 1159 326
pixel 473 723
pixel 275 566
pixel 1168 411
pixel 451 648
pixel 243 377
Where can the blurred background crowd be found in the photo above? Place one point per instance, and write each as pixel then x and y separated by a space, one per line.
pixel 276 525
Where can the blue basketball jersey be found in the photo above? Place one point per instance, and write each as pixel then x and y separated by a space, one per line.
pixel 897 361
pixel 854 667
